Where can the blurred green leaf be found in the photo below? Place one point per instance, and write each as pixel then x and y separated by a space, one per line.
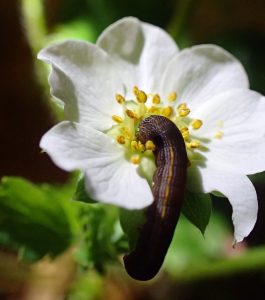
pixel 88 286
pixel 197 209
pixel 77 29
pixel 81 193
pixel 130 221
pixel 189 248
pixel 35 220
pixel 103 239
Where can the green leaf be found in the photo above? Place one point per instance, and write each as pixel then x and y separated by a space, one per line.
pixel 130 221
pixel 197 209
pixel 81 193
pixel 35 220
pixel 102 236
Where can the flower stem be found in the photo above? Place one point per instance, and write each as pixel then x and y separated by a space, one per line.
pixel 252 260
pixel 35 23
pixel 176 27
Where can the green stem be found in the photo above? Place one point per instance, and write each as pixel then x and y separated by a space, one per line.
pixel 35 23
pixel 176 27
pixel 252 260
pixel 34 19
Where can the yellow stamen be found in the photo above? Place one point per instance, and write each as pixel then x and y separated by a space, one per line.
pixel 149 145
pixel 172 96
pixel 134 145
pixel 153 110
pixel 141 96
pixel 140 147
pixel 194 145
pixel 167 111
pixel 121 139
pixel 135 90
pixel 119 98
pixel 156 99
pixel 117 119
pixel 196 124
pixel 183 112
pixel 142 109
pixel 184 129
pixel 185 133
pixel 219 134
pixel 136 159
pixel 182 106
pixel 126 132
pixel 130 114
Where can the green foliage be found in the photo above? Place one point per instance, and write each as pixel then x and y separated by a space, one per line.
pixel 89 286
pixel 41 220
pixel 189 249
pixel 130 222
pixel 102 238
pixel 35 220
pixel 81 194
pixel 197 209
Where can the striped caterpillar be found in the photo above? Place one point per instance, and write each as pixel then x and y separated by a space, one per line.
pixel 169 180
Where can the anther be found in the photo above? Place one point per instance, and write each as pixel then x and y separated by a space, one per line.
pixel 119 98
pixel 194 145
pixel 183 112
pixel 121 139
pixel 156 99
pixel 149 145
pixel 130 114
pixel 141 96
pixel 136 159
pixel 117 119
pixel 134 145
pixel 172 96
pixel 219 134
pixel 182 106
pixel 185 133
pixel 153 110
pixel 196 124
pixel 135 90
pixel 140 147
pixel 167 111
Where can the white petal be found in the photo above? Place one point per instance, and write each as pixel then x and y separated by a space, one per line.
pixel 84 77
pixel 239 191
pixel 109 177
pixel 239 115
pixel 142 51
pixel 200 72
pixel 118 183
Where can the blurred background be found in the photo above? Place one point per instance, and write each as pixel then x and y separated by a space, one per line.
pixel 26 113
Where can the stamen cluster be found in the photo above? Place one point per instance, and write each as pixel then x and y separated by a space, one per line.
pixel 143 106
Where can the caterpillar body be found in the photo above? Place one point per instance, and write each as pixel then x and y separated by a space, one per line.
pixel 169 182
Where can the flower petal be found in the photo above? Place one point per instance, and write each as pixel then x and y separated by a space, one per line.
pixel 237 188
pixel 239 115
pixel 109 177
pixel 84 77
pixel 200 72
pixel 141 50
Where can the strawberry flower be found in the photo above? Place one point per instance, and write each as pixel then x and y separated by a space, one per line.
pixel 136 70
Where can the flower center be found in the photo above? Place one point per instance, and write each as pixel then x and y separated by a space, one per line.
pixel 143 106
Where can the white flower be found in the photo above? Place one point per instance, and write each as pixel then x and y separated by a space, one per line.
pixel 136 70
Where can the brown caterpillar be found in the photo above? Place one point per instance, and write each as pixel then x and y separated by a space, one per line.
pixel 168 188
